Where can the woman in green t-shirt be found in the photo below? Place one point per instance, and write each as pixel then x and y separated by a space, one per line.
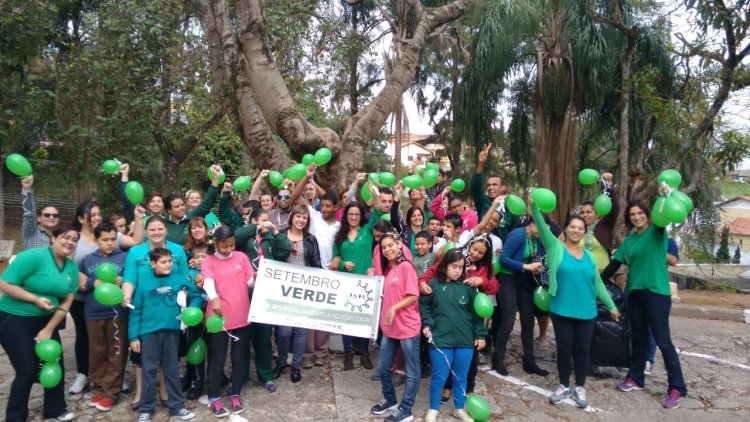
pixel 649 300
pixel 37 293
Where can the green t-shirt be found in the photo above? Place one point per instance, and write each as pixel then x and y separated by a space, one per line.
pixel 359 250
pixel 36 271
pixel 645 255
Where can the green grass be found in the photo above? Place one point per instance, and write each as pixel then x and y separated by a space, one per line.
pixel 730 190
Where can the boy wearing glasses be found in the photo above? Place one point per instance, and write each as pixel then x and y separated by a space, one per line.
pixel 36 234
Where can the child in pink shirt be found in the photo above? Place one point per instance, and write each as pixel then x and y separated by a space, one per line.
pixel 227 277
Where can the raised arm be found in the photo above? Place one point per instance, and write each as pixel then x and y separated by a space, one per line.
pixel 124 179
pixel 255 191
pixel 226 212
pixel 487 216
pixel 297 193
pixel 127 242
pixel 549 240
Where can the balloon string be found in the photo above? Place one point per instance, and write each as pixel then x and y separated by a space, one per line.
pixel 234 338
pixel 117 332
pixel 429 340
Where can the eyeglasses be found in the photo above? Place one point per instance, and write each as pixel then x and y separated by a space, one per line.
pixel 283 196
pixel 355 214
pixel 50 215
pixel 455 206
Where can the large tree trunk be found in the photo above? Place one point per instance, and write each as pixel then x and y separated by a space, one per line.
pixel 253 93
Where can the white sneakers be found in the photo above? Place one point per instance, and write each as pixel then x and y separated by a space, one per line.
pixel 79 384
pixel 431 416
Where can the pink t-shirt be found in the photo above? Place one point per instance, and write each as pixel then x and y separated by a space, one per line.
pixel 230 277
pixel 399 283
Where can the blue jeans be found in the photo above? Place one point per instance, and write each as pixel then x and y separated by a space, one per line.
pixel 457 359
pixel 650 310
pixel 410 347
pixel 297 335
pixel 364 343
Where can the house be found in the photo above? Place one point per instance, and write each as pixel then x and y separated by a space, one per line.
pixel 740 175
pixel 735 214
pixel 412 149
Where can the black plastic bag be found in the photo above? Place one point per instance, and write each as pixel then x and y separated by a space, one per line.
pixel 610 344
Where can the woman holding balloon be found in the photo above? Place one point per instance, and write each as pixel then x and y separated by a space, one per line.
pixel 37 289
pixel 574 287
pixel 644 251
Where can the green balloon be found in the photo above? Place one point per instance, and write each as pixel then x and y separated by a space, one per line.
pixel 275 178
pixel 18 164
pixel 106 272
pixel 222 176
pixel 430 177
pixel 387 179
pixel 48 350
pixel 458 185
pixel 196 352
pixel 192 316
pixel 297 171
pixel 285 173
pixel 50 375
pixel 365 193
pixel 483 305
pixel 432 166
pixel 675 211
pixel 108 294
pixel 542 298
pixel 671 177
pixel 603 204
pixel 308 159
pixel 683 198
pixel 420 170
pixel 241 184
pixel 448 246
pixel 214 323
pixel 658 213
pixel 496 266
pixel 386 217
pixel 515 205
pixel 110 166
pixel 588 176
pixel 323 156
pixel 545 199
pixel 374 178
pixel 413 181
pixel 478 408
pixel 134 192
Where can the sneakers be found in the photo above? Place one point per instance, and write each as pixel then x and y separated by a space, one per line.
pixel 399 415
pixel 673 399
pixel 649 368
pixel 270 387
pixel 461 415
pixel 383 407
pixel 104 404
pixel 183 415
pixel 431 415
pixel 67 416
pixel 307 363
pixel 319 361
pixel 79 384
pixel 628 385
pixel 295 376
pixel 144 417
pixel 560 394
pixel 579 396
pixel 237 407
pixel 218 410
pixel 95 400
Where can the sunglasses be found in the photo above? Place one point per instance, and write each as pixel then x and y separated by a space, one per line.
pixel 50 215
pixel 283 196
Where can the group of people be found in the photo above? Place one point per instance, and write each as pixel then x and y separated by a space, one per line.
pixel 435 258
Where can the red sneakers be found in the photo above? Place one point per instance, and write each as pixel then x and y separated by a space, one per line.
pixel 104 404
pixel 95 400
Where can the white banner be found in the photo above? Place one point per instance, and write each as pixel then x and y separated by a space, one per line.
pixel 333 301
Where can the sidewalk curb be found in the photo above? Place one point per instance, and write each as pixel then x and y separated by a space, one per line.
pixel 707 312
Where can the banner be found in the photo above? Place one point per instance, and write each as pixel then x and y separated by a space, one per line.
pixel 333 301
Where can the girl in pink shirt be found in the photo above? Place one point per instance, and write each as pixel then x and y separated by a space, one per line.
pixel 227 276
pixel 400 323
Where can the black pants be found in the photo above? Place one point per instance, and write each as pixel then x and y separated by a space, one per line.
pixel 516 295
pixel 219 346
pixel 82 338
pixel 573 338
pixel 17 338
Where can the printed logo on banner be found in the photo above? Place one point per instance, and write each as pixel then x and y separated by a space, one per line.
pixel 360 299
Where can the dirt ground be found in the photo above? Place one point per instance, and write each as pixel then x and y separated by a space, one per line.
pixel 716 299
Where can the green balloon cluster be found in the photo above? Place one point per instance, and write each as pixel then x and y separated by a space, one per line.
pixel 108 294
pixel 192 316
pixel 545 199
pixel 603 204
pixel 50 375
pixel 241 184
pixel 542 298
pixel 515 205
pixel 215 323
pixel 196 352
pixel 483 305
pixel 48 350
pixel 106 272
pixel 668 210
pixel 413 181
pixel 222 176
pixel 588 176
pixel 682 198
pixel 134 192
pixel 458 185
pixel 19 165
pixel 478 408
pixel 275 178
pixel 110 166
